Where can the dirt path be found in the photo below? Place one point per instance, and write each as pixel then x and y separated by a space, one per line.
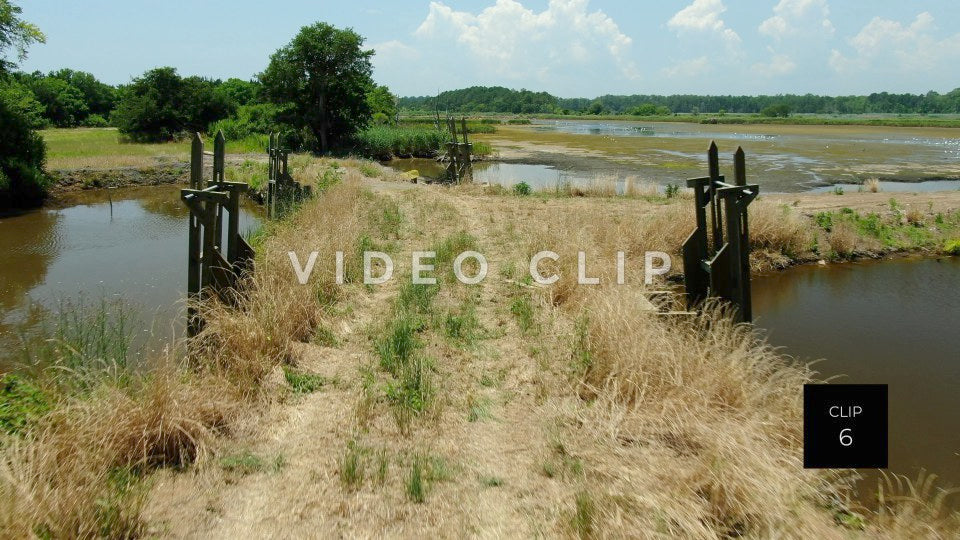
pixel 489 430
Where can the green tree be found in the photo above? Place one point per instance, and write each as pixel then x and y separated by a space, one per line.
pixel 16 34
pixel 64 104
pixel 324 73
pixel 383 104
pixel 22 151
pixel 779 110
pixel 20 98
pixel 99 97
pixel 240 91
pixel 160 105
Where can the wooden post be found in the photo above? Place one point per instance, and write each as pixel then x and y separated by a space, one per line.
pixel 696 277
pixel 465 153
pixel 272 183
pixel 716 219
pixel 193 238
pixel 739 167
pixel 219 146
pixel 233 226
pixel 452 152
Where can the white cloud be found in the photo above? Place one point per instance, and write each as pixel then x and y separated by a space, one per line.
pixel 394 50
pixel 704 16
pixel 688 68
pixel 885 45
pixel 515 41
pixel 779 64
pixel 807 18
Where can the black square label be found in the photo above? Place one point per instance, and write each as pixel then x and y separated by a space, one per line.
pixel 845 426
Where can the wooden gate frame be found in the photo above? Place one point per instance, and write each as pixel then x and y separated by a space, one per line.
pixel 280 185
pixel 460 166
pixel 208 271
pixel 720 268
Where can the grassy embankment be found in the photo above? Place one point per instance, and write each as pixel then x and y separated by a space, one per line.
pixel 98 157
pixel 509 409
pixel 408 409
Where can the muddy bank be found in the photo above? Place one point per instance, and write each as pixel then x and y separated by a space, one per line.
pixel 70 180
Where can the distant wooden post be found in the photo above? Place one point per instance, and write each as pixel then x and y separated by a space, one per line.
pixel 465 166
pixel 453 151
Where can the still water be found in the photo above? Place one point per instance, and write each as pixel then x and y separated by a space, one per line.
pixel 127 244
pixel 891 322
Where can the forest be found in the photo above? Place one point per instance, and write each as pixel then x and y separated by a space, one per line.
pixel 497 99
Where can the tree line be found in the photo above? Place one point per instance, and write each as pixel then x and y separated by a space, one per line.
pixel 497 99
pixel 317 90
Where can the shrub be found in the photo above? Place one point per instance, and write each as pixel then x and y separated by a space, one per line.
pixel 95 120
pixel 522 189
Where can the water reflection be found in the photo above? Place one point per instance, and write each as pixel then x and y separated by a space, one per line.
pixel 125 244
pixel 890 322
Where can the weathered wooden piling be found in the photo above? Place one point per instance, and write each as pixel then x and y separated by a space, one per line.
pixel 723 268
pixel 208 271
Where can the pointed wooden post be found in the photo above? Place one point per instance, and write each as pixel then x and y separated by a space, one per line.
pixel 713 164
pixel 219 147
pixel 193 238
pixel 465 154
pixel 740 178
pixel 739 167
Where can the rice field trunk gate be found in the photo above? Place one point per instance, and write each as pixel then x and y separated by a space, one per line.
pixel 215 263
pixel 716 256
pixel 459 166
pixel 282 190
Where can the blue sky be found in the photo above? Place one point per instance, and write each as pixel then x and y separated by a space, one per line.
pixel 570 48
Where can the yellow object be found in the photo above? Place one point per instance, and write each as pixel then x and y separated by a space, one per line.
pixel 412 175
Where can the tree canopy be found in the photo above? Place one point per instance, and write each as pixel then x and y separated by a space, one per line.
pixel 160 105
pixel 16 34
pixel 22 150
pixel 324 75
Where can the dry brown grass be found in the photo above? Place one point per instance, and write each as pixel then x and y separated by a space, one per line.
pixel 79 472
pixel 872 185
pixel 691 428
pixel 915 216
pixel 843 239
pixel 684 428
pixel 245 345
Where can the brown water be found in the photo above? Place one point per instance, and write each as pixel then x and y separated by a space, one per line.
pixel 135 252
pixel 891 322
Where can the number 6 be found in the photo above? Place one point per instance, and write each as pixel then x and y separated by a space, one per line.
pixel 845 438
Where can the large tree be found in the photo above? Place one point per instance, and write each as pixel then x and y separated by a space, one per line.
pixel 324 73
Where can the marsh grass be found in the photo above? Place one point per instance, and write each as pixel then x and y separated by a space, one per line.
pixel 386 142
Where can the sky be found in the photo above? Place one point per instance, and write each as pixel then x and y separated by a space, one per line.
pixel 570 48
